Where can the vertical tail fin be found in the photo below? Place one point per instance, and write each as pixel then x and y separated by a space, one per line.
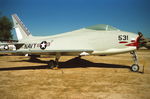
pixel 21 31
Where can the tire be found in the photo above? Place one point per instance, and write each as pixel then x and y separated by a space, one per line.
pixel 135 68
pixel 51 64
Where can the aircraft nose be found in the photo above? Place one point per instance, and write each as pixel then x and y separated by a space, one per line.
pixel 137 42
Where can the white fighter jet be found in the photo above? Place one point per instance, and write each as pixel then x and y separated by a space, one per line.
pixel 94 40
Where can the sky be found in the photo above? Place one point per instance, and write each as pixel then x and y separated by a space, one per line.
pixel 49 17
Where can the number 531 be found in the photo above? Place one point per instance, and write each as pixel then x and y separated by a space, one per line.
pixel 122 37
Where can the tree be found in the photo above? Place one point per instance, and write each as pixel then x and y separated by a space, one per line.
pixel 5 28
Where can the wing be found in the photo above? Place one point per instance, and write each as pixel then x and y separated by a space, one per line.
pixel 43 52
pixel 82 52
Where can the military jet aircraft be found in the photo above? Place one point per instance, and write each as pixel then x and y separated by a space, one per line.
pixel 4 46
pixel 98 40
pixel 147 44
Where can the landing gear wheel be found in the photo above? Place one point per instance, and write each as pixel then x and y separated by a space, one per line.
pixel 135 68
pixel 51 64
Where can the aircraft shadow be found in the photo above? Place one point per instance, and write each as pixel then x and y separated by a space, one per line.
pixel 72 63
pixel 78 62
pixel 32 60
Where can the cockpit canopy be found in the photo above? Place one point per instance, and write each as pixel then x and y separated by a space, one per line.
pixel 102 27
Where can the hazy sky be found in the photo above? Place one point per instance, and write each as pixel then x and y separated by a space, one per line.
pixel 48 17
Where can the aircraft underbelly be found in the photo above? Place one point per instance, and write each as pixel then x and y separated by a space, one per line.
pixel 114 51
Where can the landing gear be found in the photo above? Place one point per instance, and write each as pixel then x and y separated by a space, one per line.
pixel 135 66
pixel 51 64
pixel 54 64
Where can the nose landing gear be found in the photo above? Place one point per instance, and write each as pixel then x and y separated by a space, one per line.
pixel 135 66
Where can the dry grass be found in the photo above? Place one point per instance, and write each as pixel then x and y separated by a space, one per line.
pixel 103 77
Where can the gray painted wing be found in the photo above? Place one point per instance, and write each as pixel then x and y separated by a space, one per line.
pixel 50 52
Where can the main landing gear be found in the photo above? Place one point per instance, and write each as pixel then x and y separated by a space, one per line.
pixel 135 66
pixel 53 64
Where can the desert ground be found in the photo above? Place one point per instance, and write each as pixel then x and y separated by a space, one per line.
pixel 91 77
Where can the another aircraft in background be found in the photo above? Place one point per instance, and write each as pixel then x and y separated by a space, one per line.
pixel 94 40
pixel 146 43
pixel 10 46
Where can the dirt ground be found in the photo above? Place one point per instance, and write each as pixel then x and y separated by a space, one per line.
pixel 91 77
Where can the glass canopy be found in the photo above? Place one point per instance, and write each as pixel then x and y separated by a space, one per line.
pixel 102 27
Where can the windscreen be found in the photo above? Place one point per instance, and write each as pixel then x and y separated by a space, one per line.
pixel 102 27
